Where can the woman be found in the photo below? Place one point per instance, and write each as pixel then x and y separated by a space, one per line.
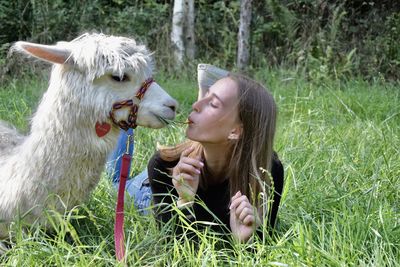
pixel 227 169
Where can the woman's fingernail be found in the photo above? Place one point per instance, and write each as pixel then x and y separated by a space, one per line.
pixel 198 171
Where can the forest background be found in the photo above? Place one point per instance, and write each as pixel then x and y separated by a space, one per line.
pixel 321 39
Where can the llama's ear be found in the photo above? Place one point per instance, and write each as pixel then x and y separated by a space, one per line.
pixel 50 53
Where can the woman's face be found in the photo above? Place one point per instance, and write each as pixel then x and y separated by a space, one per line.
pixel 215 116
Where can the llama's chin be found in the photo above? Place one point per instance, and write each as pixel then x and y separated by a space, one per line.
pixel 156 121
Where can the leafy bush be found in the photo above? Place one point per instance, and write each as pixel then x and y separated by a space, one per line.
pixel 323 39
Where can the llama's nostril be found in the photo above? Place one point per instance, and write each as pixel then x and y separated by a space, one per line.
pixel 172 107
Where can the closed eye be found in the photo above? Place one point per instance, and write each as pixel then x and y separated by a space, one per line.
pixel 118 78
pixel 213 105
pixel 215 101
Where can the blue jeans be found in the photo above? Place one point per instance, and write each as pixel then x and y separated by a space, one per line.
pixel 137 187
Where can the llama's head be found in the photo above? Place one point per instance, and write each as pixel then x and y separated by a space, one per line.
pixel 94 72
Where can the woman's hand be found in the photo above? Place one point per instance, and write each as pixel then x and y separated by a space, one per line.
pixel 244 218
pixel 186 176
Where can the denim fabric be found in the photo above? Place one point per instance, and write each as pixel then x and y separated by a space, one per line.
pixel 113 165
pixel 137 187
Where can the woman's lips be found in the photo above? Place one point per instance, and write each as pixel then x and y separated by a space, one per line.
pixel 189 121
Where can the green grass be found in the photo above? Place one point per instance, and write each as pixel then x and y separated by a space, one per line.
pixel 340 146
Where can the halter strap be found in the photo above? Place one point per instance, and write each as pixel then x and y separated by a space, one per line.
pixel 134 108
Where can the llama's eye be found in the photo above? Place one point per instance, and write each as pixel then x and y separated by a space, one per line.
pixel 117 78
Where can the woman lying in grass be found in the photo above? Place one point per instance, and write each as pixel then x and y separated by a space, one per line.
pixel 227 171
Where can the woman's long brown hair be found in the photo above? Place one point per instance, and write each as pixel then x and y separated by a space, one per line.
pixel 250 164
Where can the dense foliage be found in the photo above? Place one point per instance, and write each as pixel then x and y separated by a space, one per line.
pixel 323 38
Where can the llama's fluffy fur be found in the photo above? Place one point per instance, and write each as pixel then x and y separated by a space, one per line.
pixel 59 163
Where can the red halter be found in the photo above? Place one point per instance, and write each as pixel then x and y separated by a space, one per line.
pixel 132 117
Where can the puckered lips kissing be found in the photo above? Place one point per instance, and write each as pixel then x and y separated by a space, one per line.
pixel 189 121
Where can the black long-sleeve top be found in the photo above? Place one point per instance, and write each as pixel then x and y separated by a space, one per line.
pixel 215 197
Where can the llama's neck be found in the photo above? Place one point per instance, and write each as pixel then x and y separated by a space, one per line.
pixel 69 111
pixel 63 145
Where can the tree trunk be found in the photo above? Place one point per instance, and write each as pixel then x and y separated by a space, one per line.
pixel 189 30
pixel 243 54
pixel 178 18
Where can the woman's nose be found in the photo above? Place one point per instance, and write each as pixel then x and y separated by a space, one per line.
pixel 196 106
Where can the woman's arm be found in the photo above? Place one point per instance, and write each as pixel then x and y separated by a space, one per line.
pixel 245 219
pixel 185 177
pixel 180 187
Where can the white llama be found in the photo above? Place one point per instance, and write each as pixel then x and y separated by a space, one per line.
pixel 59 163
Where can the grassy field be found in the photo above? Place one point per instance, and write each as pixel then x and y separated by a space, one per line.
pixel 340 146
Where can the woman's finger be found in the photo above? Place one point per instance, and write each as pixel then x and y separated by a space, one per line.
pixel 245 212
pixel 238 194
pixel 236 202
pixel 187 151
pixel 187 168
pixel 241 207
pixel 195 162
pixel 183 177
pixel 249 220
